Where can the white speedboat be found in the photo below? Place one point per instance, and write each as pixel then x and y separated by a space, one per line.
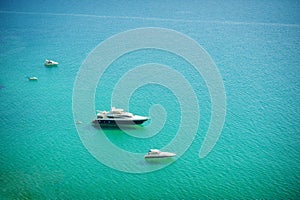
pixel 118 116
pixel 155 153
pixel 32 78
pixel 50 63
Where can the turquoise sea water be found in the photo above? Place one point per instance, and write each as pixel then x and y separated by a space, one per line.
pixel 256 47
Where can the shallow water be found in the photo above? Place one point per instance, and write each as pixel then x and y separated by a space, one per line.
pixel 256 49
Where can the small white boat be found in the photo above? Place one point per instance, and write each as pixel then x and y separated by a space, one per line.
pixel 50 63
pixel 78 122
pixel 155 153
pixel 32 78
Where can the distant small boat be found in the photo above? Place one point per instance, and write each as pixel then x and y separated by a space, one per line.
pixel 50 63
pixel 33 78
pixel 155 153
pixel 78 122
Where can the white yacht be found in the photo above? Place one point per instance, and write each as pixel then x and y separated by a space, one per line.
pixel 117 116
pixel 155 153
pixel 32 78
pixel 50 63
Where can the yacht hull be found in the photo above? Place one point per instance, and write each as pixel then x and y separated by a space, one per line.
pixel 163 156
pixel 120 122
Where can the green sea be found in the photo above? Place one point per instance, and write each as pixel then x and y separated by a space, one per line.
pixel 216 76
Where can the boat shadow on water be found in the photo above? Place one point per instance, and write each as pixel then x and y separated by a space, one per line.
pixel 157 161
pixel 116 127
